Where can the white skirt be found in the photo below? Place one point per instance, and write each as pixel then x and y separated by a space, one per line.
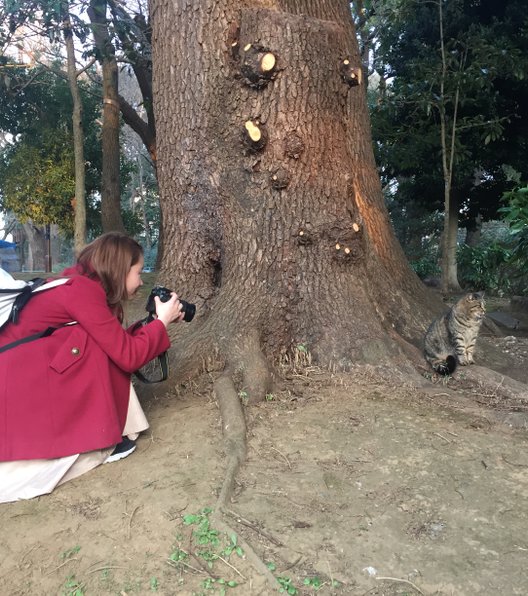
pixel 25 479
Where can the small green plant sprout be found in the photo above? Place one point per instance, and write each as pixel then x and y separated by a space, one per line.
pixel 271 566
pixel 233 547
pixel 314 582
pixel 222 584
pixel 270 397
pixel 204 534
pixel 178 555
pixel 72 587
pixel 243 395
pixel 70 552
pixel 286 586
pixel 154 585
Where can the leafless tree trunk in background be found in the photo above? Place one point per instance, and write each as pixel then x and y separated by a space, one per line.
pixel 36 237
pixel 79 234
pixel 111 189
pixel 450 233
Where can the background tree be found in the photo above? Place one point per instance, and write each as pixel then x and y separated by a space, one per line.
pixel 105 51
pixel 127 32
pixel 483 74
pixel 78 134
pixel 37 180
pixel 272 207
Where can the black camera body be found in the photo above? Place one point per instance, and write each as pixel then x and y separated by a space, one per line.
pixel 164 295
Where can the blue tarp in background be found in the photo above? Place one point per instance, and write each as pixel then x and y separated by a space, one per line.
pixel 8 256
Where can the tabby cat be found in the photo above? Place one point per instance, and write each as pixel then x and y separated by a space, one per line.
pixel 450 339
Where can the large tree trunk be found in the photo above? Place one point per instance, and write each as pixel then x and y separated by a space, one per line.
pixel 111 218
pixel 283 241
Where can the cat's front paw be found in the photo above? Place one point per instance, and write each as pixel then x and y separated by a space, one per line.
pixel 464 361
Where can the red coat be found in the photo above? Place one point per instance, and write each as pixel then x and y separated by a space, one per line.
pixel 68 393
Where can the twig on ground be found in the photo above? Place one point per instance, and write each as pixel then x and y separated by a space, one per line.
pixel 291 565
pixel 61 565
pixel 27 552
pixel 287 460
pixel 178 563
pixel 204 566
pixel 130 521
pixel 403 581
pixel 232 567
pixel 251 555
pixel 253 526
pixel 514 464
pixel 104 568
pixel 442 437
pixel 330 573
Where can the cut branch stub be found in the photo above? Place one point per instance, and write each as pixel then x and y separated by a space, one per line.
pixel 351 75
pixel 259 65
pixel 255 135
pixel 304 237
pixel 348 250
pixel 347 241
pixel 280 179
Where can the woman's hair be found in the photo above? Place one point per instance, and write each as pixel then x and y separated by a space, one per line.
pixel 109 258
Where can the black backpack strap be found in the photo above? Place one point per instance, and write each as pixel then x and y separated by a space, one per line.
pixel 23 298
pixel 29 338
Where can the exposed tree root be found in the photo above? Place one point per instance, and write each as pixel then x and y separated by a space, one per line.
pixel 495 384
pixel 255 370
pixel 488 392
pixel 234 431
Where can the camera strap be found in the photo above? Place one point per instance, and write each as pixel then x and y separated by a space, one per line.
pixel 164 365
pixel 162 359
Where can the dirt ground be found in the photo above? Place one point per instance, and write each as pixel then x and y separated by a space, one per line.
pixel 350 487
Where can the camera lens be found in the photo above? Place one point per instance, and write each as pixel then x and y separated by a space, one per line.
pixel 188 310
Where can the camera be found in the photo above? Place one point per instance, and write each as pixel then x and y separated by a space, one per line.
pixel 164 295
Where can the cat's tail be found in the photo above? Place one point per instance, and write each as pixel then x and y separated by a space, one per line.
pixel 446 367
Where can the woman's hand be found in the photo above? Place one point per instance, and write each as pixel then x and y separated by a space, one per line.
pixel 170 311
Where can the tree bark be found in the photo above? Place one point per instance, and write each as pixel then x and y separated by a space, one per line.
pixel 474 231
pixel 36 258
pixel 111 218
pixel 273 215
pixel 79 233
pixel 450 268
pixel 449 238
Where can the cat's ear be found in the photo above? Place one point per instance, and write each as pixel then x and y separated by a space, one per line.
pixel 476 296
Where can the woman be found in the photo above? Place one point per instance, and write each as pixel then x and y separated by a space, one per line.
pixel 64 399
